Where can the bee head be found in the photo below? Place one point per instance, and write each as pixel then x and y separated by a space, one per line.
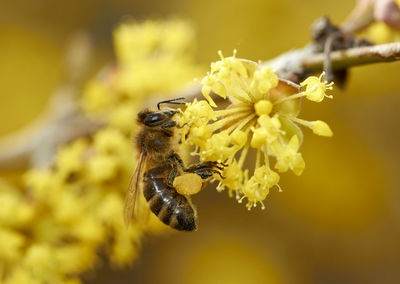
pixel 152 118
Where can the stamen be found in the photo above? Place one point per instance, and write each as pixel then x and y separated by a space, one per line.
pixel 234 109
pixel 266 158
pixel 220 55
pixel 237 194
pixel 258 159
pixel 291 83
pixel 239 125
pixel 292 97
pixel 221 123
pixel 239 94
pixel 243 156
pixel 299 121
pixel 234 53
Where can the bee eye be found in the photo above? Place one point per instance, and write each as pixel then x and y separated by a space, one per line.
pixel 153 118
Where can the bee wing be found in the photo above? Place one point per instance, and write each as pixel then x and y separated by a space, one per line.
pixel 131 195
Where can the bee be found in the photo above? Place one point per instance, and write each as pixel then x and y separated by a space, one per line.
pixel 158 166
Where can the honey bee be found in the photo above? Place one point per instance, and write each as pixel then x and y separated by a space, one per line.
pixel 159 164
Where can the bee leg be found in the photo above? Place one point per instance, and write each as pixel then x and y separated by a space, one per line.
pixel 167 132
pixel 209 166
pixel 207 173
pixel 172 175
pixel 206 165
pixel 204 174
pixel 175 157
pixel 166 125
pixel 169 124
pixel 170 113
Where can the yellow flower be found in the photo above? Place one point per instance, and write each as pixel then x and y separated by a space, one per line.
pixel 37 261
pixel 288 157
pixel 69 214
pixel 194 120
pixel 217 148
pixel 41 181
pixel 11 244
pixel 74 258
pixel 257 187
pixel 386 27
pixel 233 179
pixel 264 80
pixel 68 208
pixel 154 57
pixel 262 116
pixel 268 130
pixel 315 89
pixel 69 159
pixel 15 211
pixel 212 84
pixel 123 117
pixel 380 33
pixel 96 96
pixel 101 168
pixel 87 229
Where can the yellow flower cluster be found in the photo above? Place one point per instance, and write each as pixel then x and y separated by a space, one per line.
pixel 55 227
pixel 380 32
pixel 262 116
pixel 68 216
pixel 152 58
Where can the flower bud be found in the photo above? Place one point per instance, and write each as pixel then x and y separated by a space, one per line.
pixel 259 137
pixel 321 128
pixel 263 107
pixel 239 138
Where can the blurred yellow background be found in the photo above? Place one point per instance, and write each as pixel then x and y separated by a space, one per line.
pixel 337 223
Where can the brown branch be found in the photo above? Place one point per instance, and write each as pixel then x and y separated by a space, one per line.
pixel 343 59
pixel 64 121
pixel 37 143
pixel 60 123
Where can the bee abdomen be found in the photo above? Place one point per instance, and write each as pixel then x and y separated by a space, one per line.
pixel 184 217
pixel 171 208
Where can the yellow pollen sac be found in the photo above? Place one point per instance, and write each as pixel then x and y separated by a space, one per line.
pixel 259 137
pixel 239 138
pixel 263 107
pixel 321 128
pixel 188 184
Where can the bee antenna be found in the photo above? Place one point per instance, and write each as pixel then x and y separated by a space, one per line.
pixel 172 101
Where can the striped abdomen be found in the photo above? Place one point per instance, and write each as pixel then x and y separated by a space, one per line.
pixel 170 207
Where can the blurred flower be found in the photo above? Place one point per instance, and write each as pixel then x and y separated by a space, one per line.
pixel 386 27
pixel 153 58
pixel 67 215
pixel 380 33
pixel 262 116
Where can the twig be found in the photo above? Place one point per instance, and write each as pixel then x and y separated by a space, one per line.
pixel 354 56
pixel 37 144
pixel 64 124
pixel 60 123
